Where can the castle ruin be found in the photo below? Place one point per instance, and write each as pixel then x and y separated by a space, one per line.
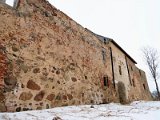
pixel 49 60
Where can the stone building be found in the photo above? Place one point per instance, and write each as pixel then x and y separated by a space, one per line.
pixel 49 60
pixel 126 74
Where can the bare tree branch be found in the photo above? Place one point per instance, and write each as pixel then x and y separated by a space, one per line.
pixel 151 57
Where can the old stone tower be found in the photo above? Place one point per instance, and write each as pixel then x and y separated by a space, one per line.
pixel 49 60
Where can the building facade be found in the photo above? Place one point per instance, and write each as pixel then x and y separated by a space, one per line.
pixel 49 60
pixel 126 74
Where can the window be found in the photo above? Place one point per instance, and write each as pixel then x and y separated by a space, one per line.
pixel 144 86
pixel 131 68
pixel 120 70
pixel 133 83
pixel 105 81
pixel 105 42
pixel 140 72
pixel 104 55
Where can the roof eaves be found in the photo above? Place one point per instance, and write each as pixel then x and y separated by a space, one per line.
pixel 123 51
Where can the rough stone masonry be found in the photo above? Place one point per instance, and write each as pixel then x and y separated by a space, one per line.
pixel 49 60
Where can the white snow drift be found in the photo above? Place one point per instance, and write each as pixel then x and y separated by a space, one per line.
pixel 138 110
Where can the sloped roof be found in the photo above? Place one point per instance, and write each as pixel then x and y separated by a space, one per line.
pixel 103 39
pixel 107 40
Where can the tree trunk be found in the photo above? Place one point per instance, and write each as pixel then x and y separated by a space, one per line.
pixel 157 88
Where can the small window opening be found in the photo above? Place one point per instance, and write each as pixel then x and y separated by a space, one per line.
pixel 46 14
pixel 105 42
pixel 133 83
pixel 104 56
pixel 144 86
pixel 105 81
pixel 120 70
pixel 85 77
pixel 131 68
pixel 140 72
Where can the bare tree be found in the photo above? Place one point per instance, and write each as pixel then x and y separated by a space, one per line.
pixel 152 60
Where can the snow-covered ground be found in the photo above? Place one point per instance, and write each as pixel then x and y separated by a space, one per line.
pixel 138 110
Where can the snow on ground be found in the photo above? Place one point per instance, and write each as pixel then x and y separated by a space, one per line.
pixel 138 110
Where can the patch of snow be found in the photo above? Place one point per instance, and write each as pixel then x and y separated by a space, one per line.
pixel 138 110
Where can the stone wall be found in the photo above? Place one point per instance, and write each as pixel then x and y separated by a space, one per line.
pixel 49 60
pixel 53 61
pixel 138 81
pixel 120 68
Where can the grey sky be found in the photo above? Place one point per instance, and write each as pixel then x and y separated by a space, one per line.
pixel 131 23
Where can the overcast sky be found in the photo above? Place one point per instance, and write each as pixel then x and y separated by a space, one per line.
pixel 131 23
